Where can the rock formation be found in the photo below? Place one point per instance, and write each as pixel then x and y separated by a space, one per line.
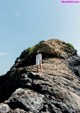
pixel 57 90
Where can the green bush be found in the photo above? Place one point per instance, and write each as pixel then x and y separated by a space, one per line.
pixel 41 42
pixel 30 50
pixel 70 46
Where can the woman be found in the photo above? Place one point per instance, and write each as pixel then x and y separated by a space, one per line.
pixel 39 61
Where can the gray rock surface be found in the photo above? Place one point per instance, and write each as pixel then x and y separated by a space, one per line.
pixel 74 63
pixel 56 90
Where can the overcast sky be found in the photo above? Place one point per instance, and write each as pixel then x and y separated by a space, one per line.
pixel 24 23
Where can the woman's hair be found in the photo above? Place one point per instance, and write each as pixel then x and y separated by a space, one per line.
pixel 38 51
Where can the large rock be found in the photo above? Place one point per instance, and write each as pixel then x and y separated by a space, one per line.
pixel 47 93
pixel 4 108
pixel 51 48
pixel 57 90
pixel 28 100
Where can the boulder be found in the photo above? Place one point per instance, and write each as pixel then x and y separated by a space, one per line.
pixel 4 108
pixel 56 90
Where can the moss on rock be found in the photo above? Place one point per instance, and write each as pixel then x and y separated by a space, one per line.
pixel 70 46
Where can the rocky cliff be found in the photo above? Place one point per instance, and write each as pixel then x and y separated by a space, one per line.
pixel 57 90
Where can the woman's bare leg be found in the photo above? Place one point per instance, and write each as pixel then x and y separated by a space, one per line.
pixel 37 68
pixel 41 67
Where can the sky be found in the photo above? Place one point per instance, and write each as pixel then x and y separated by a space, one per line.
pixel 23 23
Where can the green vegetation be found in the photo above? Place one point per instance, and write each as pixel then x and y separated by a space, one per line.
pixel 30 50
pixel 70 46
pixel 41 42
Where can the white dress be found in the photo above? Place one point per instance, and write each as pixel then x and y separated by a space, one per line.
pixel 38 59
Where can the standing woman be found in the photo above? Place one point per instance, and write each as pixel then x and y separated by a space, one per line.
pixel 39 61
